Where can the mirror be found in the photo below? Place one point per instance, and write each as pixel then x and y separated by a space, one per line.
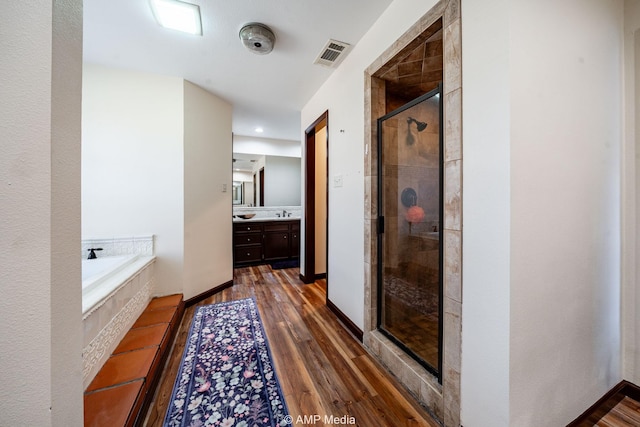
pixel 237 193
pixel 264 180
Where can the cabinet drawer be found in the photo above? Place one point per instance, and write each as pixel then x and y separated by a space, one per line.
pixel 247 228
pixel 247 239
pixel 248 254
pixel 277 226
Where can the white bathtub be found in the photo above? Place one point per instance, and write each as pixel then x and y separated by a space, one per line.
pixel 96 271
pixel 104 275
pixel 115 290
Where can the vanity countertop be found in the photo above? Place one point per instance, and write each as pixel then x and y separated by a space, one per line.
pixel 269 219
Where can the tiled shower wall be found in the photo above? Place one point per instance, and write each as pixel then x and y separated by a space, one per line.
pixel 415 166
pixel 443 399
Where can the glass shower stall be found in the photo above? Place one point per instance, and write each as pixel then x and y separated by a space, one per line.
pixel 410 228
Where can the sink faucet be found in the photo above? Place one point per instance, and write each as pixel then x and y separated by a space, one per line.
pixel 284 213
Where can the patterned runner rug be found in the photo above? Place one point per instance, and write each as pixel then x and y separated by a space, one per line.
pixel 227 377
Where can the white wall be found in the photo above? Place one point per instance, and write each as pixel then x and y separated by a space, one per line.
pixel 343 96
pixel 132 163
pixel 541 209
pixel 282 184
pixel 565 206
pixel 41 329
pixel 242 176
pixel 630 186
pixel 208 257
pixel 486 214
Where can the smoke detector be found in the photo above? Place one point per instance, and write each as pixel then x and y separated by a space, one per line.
pixel 258 38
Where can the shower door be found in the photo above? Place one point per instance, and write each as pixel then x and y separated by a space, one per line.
pixel 410 188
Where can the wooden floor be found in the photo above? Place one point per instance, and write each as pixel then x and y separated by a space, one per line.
pixel 414 329
pixel 624 414
pixel 323 370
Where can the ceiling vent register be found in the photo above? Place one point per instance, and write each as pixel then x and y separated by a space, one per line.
pixel 332 53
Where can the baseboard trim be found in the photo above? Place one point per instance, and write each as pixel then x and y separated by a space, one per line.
pixel 206 294
pixel 307 279
pixel 351 327
pixel 599 409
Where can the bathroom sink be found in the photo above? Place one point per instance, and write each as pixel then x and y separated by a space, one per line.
pixel 245 216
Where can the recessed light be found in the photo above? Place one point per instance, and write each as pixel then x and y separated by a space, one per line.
pixel 177 15
pixel 259 130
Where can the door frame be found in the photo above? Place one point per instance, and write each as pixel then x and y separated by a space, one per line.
pixel 309 273
pixel 261 184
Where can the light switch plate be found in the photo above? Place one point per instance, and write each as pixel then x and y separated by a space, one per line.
pixel 337 180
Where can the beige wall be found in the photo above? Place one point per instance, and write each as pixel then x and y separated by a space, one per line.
pixel 41 309
pixel 207 208
pixel 321 201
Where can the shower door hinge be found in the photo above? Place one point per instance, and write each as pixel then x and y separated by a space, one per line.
pixel 380 224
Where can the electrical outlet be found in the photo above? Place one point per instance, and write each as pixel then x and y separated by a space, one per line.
pixel 337 180
pixel 224 188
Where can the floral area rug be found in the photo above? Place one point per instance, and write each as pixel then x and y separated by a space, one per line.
pixel 226 375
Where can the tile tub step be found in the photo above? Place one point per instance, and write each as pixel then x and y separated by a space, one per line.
pixel 124 387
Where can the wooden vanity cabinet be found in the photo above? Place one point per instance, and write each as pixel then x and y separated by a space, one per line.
pixel 247 242
pixel 277 241
pixel 255 242
pixel 295 240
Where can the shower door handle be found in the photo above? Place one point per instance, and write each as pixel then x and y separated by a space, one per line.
pixel 380 224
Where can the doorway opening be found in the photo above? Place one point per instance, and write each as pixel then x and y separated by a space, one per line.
pixel 316 203
pixel 261 183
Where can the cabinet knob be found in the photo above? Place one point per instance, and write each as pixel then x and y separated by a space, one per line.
pixel 248 253
pixel 285 236
pixel 248 228
pixel 248 239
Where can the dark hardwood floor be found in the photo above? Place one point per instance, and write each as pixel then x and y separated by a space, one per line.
pixel 323 369
pixel 624 414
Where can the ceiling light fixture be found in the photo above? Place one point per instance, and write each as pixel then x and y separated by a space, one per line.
pixel 259 130
pixel 177 15
pixel 258 38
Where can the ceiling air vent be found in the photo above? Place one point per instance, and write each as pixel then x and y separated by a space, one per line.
pixel 332 53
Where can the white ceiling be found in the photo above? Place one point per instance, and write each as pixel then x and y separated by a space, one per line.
pixel 243 162
pixel 266 91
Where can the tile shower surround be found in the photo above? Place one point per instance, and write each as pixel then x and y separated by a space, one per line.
pixel 442 399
